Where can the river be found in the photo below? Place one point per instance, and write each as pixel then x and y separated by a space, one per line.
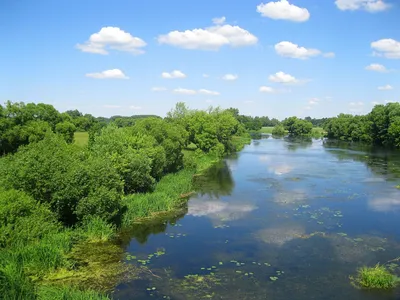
pixel 279 220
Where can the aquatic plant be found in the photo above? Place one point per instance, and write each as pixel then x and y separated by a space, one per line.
pixel 377 277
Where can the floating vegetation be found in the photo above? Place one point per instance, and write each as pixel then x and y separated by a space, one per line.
pixel 158 253
pixel 175 235
pixel 321 216
pixel 280 235
pixel 377 277
pixel 221 226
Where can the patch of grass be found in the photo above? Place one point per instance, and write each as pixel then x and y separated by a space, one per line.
pixel 48 292
pixel 81 138
pixel 266 129
pixel 96 230
pixel 377 277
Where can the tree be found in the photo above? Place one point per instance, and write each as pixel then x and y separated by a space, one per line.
pixel 66 130
pixel 297 127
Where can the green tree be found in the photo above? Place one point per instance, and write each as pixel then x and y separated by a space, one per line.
pixel 66 130
pixel 297 127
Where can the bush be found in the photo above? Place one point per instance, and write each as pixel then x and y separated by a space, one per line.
pixel 278 130
pixel 377 277
pixel 23 220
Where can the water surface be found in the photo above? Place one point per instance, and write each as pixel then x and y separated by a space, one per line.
pixel 279 220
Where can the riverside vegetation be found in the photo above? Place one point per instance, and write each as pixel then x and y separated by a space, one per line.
pixel 56 196
pixel 61 203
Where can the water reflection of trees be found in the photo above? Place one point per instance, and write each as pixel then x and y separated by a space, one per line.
pixel 381 161
pixel 215 182
pixel 295 143
pixel 142 231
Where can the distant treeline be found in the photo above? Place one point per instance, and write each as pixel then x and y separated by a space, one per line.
pixel 380 127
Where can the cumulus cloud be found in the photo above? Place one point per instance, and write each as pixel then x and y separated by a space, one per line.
pixel 282 77
pixel 208 92
pixel 219 21
pixel 289 49
pixel 108 74
pixel 158 89
pixel 388 48
pixel 173 75
pixel 184 91
pixel 376 68
pixel 385 87
pixel 112 38
pixel 206 75
pixel 230 77
pixel 367 5
pixel 267 89
pixel 283 10
pixel 210 38
pixel 313 101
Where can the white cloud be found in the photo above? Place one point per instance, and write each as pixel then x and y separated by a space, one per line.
pixel 266 89
pixel 313 101
pixel 375 103
pixel 329 55
pixel 388 48
pixel 390 101
pixel 385 87
pixel 208 92
pixel 206 75
pixel 210 38
pixel 230 77
pixel 219 21
pixel 376 68
pixel 289 49
pixel 173 75
pixel 368 5
pixel 282 77
pixel 108 74
pixel 133 107
pixel 184 91
pixel 158 89
pixel 113 38
pixel 283 10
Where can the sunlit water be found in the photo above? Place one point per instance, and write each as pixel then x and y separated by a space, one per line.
pixel 281 220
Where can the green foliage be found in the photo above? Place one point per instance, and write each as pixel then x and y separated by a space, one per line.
pixel 66 130
pixel 48 292
pixel 278 130
pixel 377 277
pixel 81 139
pixel 95 229
pixel 23 220
pixel 63 176
pixel 297 127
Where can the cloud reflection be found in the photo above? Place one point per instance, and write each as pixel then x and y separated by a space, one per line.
pixel 219 210
pixel 385 204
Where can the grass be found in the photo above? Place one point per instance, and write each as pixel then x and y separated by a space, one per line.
pixel 377 277
pixel 97 230
pixel 81 138
pixel 266 129
pixel 316 131
pixel 68 293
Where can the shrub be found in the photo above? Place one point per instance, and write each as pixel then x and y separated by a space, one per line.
pixel 377 277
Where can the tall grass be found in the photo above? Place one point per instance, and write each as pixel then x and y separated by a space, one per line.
pixel 96 229
pixel 68 293
pixel 377 277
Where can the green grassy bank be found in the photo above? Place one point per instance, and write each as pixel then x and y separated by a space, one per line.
pixel 46 260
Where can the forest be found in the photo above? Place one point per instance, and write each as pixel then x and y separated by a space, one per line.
pixel 56 195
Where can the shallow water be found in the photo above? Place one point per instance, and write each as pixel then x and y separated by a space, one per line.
pixel 280 220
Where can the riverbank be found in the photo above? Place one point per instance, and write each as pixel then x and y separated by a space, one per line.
pixel 70 255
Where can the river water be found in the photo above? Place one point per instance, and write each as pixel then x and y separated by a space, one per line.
pixel 279 220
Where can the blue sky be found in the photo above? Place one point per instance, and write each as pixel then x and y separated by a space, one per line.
pixel 277 58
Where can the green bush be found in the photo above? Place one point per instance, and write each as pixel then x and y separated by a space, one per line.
pixel 278 130
pixel 377 277
pixel 23 220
